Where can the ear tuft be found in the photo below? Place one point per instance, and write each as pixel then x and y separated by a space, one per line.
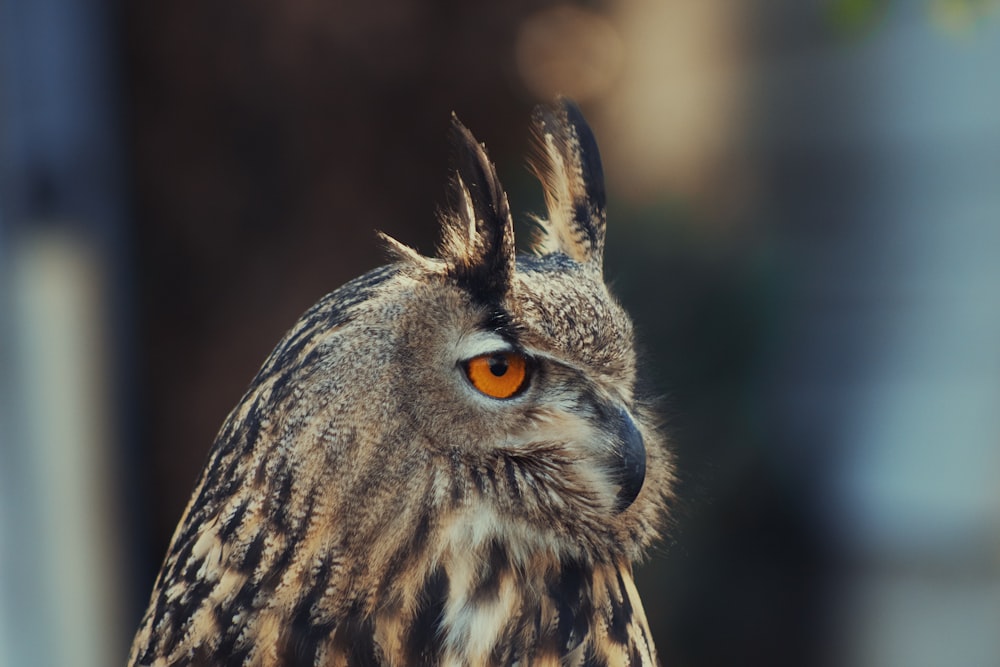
pixel 478 231
pixel 569 166
pixel 404 253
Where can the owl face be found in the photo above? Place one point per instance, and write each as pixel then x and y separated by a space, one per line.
pixel 543 377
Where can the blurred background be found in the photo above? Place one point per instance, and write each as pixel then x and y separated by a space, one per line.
pixel 804 220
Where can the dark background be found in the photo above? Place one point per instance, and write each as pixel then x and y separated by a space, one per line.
pixel 779 175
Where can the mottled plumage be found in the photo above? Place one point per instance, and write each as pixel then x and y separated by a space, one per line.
pixel 369 503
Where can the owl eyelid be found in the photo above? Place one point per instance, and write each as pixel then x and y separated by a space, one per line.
pixel 483 343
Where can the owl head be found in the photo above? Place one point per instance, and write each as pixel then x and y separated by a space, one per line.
pixel 477 395
pixel 520 368
pixel 441 457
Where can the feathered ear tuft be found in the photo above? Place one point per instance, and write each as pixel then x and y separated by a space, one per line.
pixel 478 235
pixel 404 253
pixel 569 166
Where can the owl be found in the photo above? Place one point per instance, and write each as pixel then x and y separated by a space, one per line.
pixel 444 461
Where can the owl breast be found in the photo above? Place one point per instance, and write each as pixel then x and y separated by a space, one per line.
pixel 489 602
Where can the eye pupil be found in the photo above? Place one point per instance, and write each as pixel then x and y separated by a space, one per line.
pixel 498 365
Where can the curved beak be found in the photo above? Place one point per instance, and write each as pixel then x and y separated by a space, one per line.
pixel 628 461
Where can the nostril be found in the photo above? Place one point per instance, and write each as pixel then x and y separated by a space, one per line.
pixel 631 463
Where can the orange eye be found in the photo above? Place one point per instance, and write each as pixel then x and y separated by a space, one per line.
pixel 499 375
